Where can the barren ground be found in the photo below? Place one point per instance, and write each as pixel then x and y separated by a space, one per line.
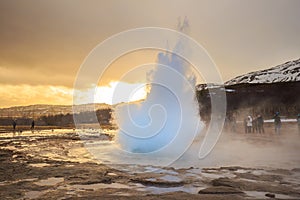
pixel 55 165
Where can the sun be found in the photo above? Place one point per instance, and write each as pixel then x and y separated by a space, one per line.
pixel 117 92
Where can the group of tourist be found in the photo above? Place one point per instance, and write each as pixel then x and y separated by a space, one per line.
pixel 254 124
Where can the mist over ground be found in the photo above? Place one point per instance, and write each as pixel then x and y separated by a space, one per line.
pixel 250 150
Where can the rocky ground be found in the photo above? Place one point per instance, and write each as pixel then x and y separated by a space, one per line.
pixel 55 165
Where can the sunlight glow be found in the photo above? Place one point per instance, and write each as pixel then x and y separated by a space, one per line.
pixel 115 92
pixel 118 92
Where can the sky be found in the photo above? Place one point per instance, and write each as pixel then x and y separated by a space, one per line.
pixel 44 43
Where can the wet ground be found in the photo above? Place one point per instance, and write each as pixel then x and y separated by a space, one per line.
pixel 56 165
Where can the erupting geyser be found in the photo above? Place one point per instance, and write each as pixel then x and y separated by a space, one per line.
pixel 160 129
pixel 167 121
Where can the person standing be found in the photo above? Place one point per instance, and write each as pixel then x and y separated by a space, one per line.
pixel 260 124
pixel 14 124
pixel 249 124
pixel 277 123
pixel 32 125
pixel 254 125
pixel 233 124
pixel 298 122
pixel 245 124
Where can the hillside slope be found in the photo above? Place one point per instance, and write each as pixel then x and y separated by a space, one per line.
pixel 287 72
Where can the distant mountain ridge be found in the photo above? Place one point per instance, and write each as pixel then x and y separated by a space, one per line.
pixel 45 109
pixel 287 72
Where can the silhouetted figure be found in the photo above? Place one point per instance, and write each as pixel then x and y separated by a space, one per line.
pixel 230 122
pixel 249 124
pixel 233 123
pixel 298 122
pixel 32 125
pixel 14 124
pixel 277 123
pixel 260 124
pixel 245 125
pixel 227 123
pixel 254 125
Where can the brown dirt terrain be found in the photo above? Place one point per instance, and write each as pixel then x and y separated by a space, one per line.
pixel 41 166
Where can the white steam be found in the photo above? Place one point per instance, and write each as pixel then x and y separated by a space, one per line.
pixel 167 121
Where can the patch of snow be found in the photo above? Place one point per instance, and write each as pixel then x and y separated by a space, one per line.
pixel 49 181
pixel 161 190
pixel 171 178
pixel 39 164
pixel 287 72
pixel 282 120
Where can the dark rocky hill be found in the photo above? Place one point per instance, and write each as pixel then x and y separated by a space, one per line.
pixel 263 92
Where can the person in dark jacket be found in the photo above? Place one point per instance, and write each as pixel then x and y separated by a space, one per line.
pixel 14 124
pixel 32 125
pixel 260 124
pixel 245 125
pixel 254 125
pixel 233 124
pixel 298 122
pixel 277 123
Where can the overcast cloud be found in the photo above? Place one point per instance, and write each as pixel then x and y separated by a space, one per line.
pixel 45 42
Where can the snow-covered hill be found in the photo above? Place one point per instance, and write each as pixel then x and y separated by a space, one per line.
pixel 287 72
